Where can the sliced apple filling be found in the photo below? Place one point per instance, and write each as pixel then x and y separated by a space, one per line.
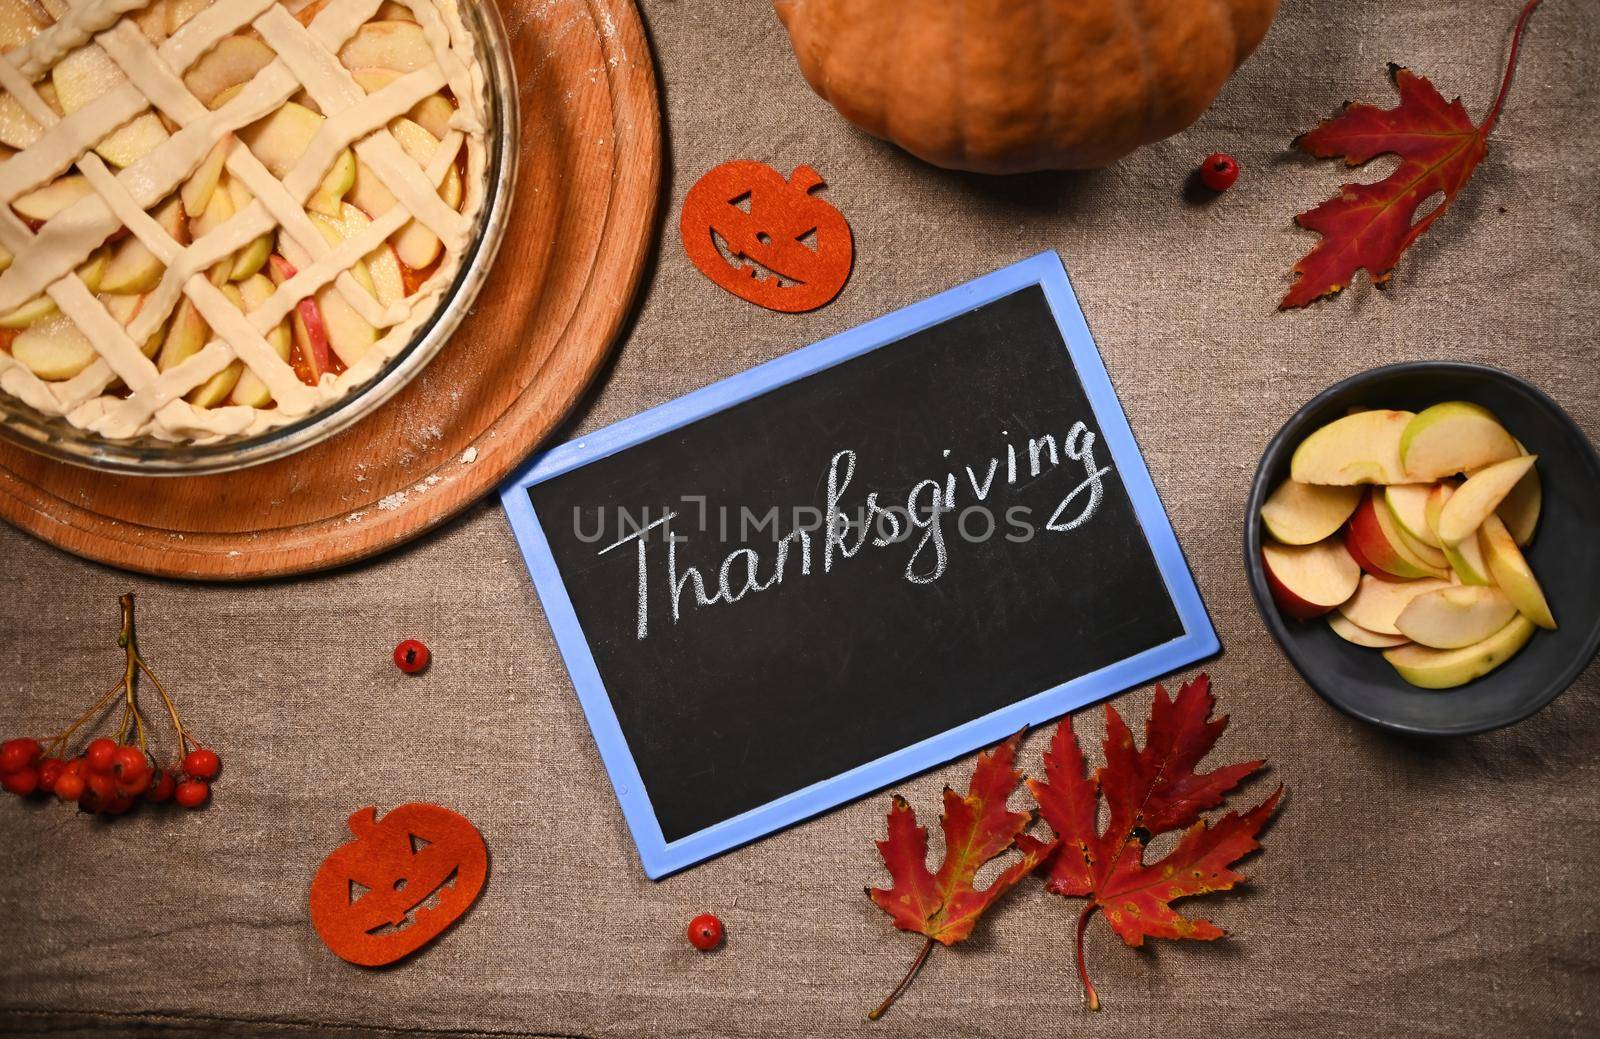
pixel 217 228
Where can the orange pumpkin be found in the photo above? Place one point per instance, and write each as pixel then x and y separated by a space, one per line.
pixel 1004 86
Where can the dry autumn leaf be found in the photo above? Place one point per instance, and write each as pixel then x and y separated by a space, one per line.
pixel 977 827
pixel 1147 792
pixel 1369 226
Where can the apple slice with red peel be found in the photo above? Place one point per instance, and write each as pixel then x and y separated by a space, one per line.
pixel 1377 604
pixel 134 268
pixel 1448 668
pixel 1359 448
pixel 310 332
pixel 348 332
pixel 1355 634
pixel 400 46
pixel 1520 509
pixel 1513 574
pixel 1380 541
pixel 54 349
pixel 1457 616
pixel 1309 580
pixel 1475 501
pixel 1464 557
pixel 1453 437
pixel 1303 513
pixel 234 60
pixel 42 204
pixel 1368 566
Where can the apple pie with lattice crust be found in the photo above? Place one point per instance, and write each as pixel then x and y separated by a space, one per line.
pixel 220 216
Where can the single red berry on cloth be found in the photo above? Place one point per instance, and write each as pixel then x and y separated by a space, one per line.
pixel 70 786
pixel 705 932
pixel 1219 171
pixel 192 793
pixel 101 753
pixel 411 656
pixel 201 763
pixel 161 787
pixel 16 755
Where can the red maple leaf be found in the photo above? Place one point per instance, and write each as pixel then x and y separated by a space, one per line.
pixel 1148 792
pixel 1369 226
pixel 977 827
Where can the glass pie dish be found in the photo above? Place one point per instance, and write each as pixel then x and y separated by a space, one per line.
pixel 338 395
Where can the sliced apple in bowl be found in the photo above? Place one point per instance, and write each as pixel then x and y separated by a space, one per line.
pixel 1456 616
pixel 1309 580
pixel 53 349
pixel 1376 538
pixel 1304 513
pixel 1476 499
pixel 1377 604
pixel 1359 448
pixel 1429 668
pixel 1513 574
pixel 1453 437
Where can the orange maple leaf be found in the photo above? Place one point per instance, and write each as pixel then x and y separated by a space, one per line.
pixel 1148 792
pixel 977 827
pixel 1369 226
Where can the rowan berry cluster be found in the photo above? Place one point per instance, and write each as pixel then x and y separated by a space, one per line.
pixel 113 774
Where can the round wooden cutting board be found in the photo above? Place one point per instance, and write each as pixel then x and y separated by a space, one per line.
pixel 581 224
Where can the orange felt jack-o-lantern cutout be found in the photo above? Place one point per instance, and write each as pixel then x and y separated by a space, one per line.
pixel 766 239
pixel 399 884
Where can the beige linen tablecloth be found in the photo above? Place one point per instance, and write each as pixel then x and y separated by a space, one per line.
pixel 1435 889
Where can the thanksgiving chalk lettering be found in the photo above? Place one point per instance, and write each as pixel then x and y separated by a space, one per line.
pixel 923 522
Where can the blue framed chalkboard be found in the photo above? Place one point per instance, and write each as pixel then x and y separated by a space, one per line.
pixel 755 636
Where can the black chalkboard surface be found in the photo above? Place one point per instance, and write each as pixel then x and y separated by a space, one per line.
pixel 812 580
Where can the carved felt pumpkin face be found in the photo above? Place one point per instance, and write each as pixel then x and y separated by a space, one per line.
pixel 399 884
pixel 797 249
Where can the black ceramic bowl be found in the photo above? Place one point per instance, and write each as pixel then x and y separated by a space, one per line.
pixel 1564 554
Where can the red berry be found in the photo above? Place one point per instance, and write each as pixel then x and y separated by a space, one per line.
pixel 50 770
pixel 22 782
pixel 116 805
pixel 705 932
pixel 70 786
pixel 411 656
pixel 201 763
pixel 1219 171
pixel 101 785
pixel 192 793
pixel 16 755
pixel 129 763
pixel 161 787
pixel 100 754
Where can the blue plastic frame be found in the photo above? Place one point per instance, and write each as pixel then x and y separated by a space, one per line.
pixel 1198 641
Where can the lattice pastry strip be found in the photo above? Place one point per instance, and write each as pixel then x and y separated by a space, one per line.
pixel 305 58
